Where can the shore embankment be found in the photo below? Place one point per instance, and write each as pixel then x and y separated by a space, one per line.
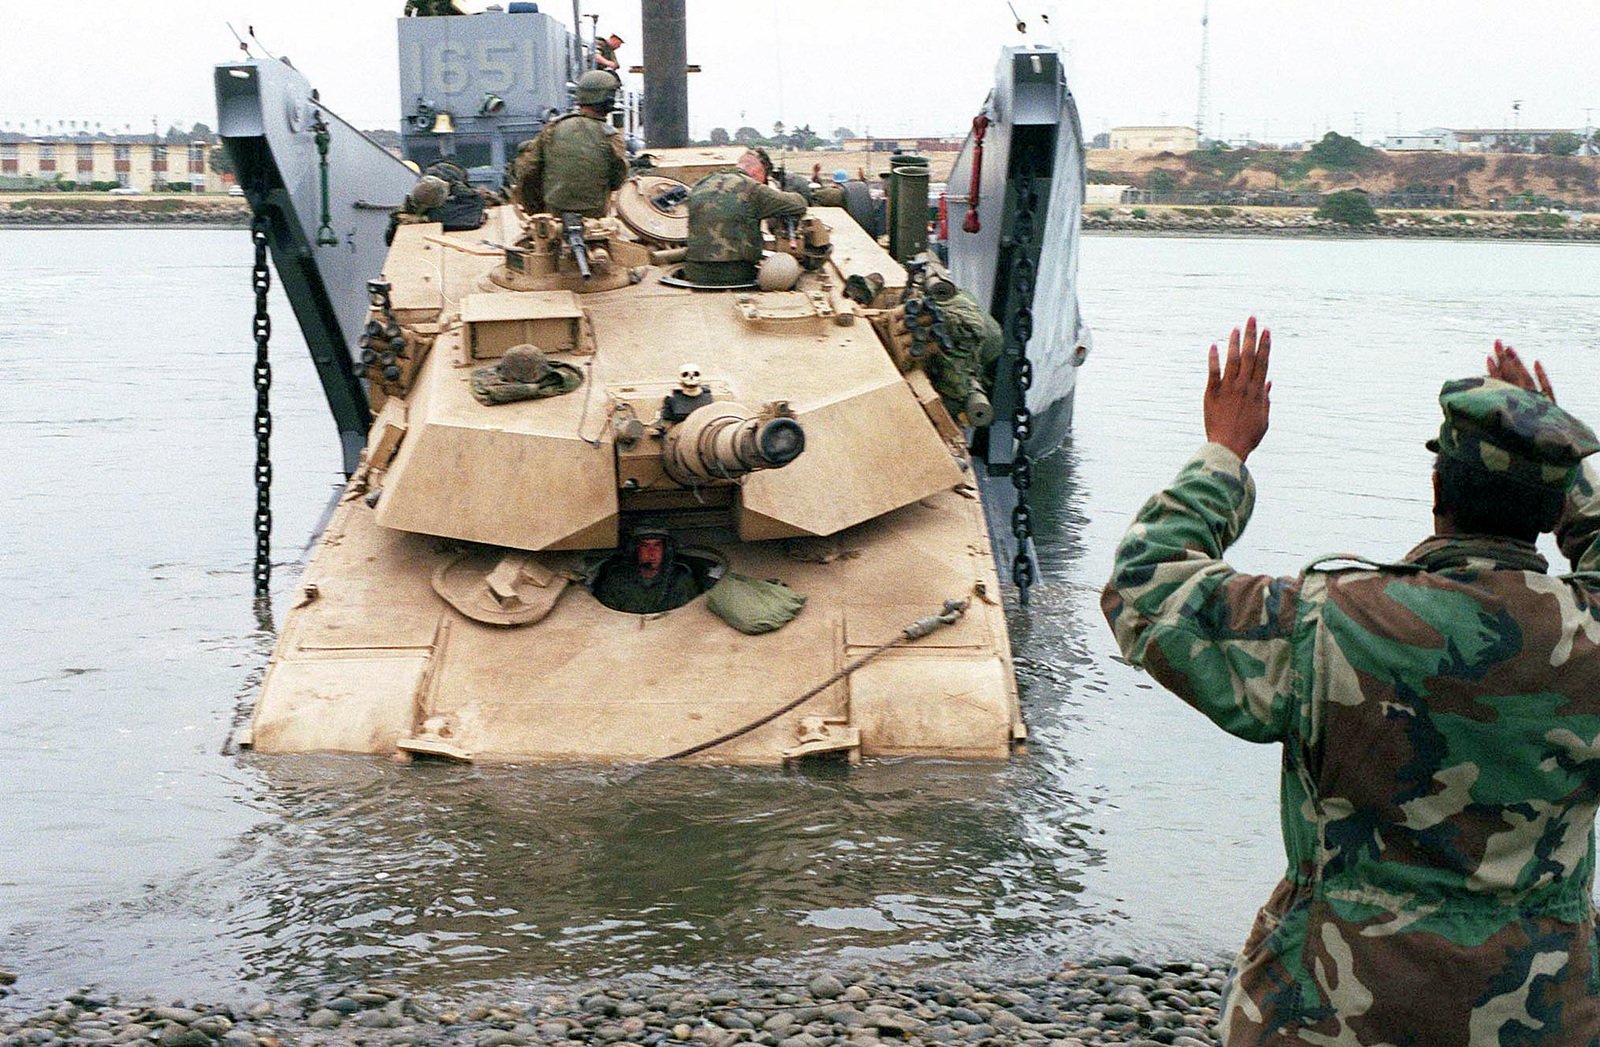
pixel 84 210
pixel 1303 222
pixel 1117 1001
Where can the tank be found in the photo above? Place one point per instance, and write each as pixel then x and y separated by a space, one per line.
pixel 598 514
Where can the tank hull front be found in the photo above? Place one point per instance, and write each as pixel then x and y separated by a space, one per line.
pixel 372 660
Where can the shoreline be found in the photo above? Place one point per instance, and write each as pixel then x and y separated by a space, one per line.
pixel 1114 1001
pixel 1155 231
pixel 1271 223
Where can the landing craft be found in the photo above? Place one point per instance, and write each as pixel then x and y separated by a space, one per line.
pixel 536 407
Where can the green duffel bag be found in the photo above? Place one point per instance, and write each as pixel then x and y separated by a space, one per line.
pixel 751 605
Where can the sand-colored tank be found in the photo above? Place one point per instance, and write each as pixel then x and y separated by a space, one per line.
pixel 450 607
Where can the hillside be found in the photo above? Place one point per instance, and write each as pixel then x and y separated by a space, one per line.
pixel 1472 180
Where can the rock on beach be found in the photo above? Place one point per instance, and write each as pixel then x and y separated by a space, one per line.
pixel 1118 1001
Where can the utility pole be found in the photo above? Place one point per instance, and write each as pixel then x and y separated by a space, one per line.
pixel 1205 73
pixel 666 73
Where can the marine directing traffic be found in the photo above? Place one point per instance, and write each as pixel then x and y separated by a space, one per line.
pixel 1439 717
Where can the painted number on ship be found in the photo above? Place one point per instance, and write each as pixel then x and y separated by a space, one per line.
pixel 451 67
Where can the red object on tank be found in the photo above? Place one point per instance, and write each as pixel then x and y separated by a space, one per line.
pixel 944 217
pixel 980 127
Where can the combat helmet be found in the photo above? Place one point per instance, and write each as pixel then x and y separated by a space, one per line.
pixel 596 88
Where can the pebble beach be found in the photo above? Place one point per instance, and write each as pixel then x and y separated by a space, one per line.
pixel 1116 1001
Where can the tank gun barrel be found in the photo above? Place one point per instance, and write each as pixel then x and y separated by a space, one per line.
pixel 726 440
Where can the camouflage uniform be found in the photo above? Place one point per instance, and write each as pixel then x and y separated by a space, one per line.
pixel 1440 724
pixel 573 165
pixel 976 343
pixel 725 214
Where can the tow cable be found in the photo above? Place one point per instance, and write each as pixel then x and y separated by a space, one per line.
pixel 261 281
pixel 952 612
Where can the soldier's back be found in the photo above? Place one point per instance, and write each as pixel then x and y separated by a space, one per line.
pixel 580 162
pixel 1440 808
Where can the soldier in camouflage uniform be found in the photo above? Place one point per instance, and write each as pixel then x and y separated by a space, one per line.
pixel 976 341
pixel 577 160
pixel 725 214
pixel 1440 724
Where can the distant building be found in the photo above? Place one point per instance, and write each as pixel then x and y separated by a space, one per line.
pixel 905 145
pixel 1480 139
pixel 148 163
pixel 1510 139
pixel 1106 194
pixel 1155 139
pixel 1433 140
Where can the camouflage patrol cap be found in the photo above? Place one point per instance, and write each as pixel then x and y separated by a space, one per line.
pixel 1504 429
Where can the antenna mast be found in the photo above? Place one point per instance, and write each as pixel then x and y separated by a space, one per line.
pixel 1205 73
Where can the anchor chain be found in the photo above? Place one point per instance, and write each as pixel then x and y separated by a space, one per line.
pixel 326 237
pixel 261 281
pixel 1019 329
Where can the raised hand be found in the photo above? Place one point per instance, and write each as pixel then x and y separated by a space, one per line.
pixel 1507 366
pixel 1238 397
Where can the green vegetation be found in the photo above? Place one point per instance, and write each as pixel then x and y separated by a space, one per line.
pixel 1141 213
pixel 1161 181
pixel 1349 207
pixel 1335 152
pixel 1543 220
pixel 1223 212
pixel 1564 143
pixel 1102 213
pixel 1457 216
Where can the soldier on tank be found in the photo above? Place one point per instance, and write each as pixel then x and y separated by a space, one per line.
pixel 1439 717
pixel 725 215
pixel 648 577
pixel 577 161
pixel 967 364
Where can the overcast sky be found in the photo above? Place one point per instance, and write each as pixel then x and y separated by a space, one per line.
pixel 1280 69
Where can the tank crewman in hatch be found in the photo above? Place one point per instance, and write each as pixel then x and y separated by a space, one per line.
pixel 578 160
pixel 725 215
pixel 648 577
pixel 1439 717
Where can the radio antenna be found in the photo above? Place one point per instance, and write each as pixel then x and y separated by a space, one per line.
pixel 242 45
pixel 252 30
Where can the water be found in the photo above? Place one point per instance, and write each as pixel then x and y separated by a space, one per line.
pixel 136 854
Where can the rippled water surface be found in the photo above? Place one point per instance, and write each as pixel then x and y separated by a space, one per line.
pixel 136 854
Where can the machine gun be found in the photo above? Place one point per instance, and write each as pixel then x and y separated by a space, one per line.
pixel 572 229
